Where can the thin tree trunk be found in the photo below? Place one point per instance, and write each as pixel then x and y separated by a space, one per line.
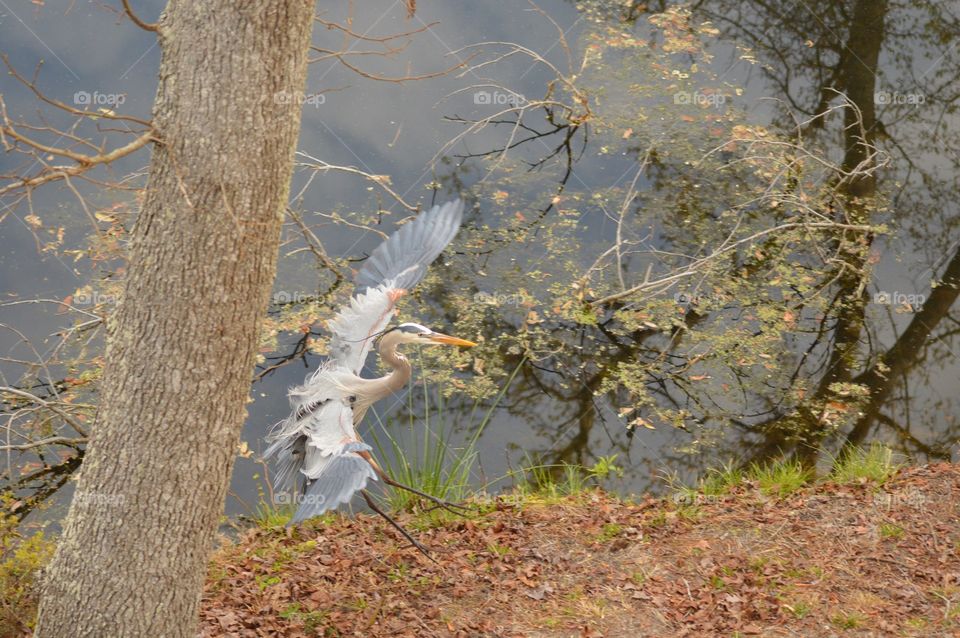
pixel 907 350
pixel 858 75
pixel 181 349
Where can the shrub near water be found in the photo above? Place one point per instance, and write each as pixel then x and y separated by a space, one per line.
pixel 21 559
pixel 874 463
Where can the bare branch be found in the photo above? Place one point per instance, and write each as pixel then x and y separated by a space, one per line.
pixel 103 115
pixel 314 244
pixel 84 163
pixel 146 26
pixel 380 180
pixel 53 407
pixel 664 282
pixel 53 440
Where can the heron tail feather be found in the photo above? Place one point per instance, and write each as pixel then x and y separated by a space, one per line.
pixel 341 477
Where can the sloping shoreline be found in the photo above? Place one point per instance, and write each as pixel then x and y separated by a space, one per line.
pixel 829 559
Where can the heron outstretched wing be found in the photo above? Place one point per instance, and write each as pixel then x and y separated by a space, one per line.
pixel 394 267
pixel 318 440
pixel 402 260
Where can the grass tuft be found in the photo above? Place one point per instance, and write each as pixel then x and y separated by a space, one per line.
pixel 857 465
pixel 889 530
pixel 557 481
pixel 782 477
pixel 851 620
pixel 268 516
pixel 430 461
pixel 720 481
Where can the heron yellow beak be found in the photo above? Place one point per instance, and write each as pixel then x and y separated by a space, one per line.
pixel 437 337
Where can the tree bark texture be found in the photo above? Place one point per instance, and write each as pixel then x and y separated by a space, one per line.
pixel 182 343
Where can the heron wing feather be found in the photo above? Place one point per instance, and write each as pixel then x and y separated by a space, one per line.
pixel 402 260
pixel 395 266
pixel 337 477
pixel 319 426
pixel 356 326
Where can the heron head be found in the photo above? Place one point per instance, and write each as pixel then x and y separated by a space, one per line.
pixel 415 333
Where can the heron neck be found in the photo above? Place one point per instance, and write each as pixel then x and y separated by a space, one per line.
pixel 402 370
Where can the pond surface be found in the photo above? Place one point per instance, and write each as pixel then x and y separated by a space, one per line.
pixel 543 214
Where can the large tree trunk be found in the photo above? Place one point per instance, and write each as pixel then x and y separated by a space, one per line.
pixel 133 554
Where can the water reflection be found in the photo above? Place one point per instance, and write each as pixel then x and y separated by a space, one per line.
pixel 599 156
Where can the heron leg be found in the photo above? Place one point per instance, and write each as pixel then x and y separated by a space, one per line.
pixel 396 525
pixel 447 505
pixel 433 499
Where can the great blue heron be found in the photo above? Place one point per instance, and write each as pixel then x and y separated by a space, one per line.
pixel 319 441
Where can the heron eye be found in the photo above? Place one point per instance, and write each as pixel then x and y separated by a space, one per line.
pixel 353 399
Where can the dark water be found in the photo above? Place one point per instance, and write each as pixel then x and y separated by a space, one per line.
pixel 559 407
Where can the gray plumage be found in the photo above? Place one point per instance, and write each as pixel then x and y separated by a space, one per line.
pixel 402 260
pixel 318 443
pixel 342 475
pixel 289 453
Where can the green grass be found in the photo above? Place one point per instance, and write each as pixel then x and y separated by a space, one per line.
pixel 312 620
pixel 799 609
pixel 429 461
pixel 22 557
pixel 553 482
pixel 269 516
pixel 609 532
pixel 889 530
pixel 783 477
pixel 851 620
pixel 856 465
pixel 717 482
pixel 720 481
pixel 917 622
pixel 499 550
pixel 780 478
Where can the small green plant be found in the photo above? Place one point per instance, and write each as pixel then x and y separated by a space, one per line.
pixel 720 481
pixel 605 467
pixel 689 512
pixel 850 620
pixel 564 479
pixel 659 519
pixel 263 581
pixel 874 463
pixel 312 620
pixel 799 609
pixel 782 477
pixel 21 559
pixel 359 604
pixel 498 550
pixel 758 564
pixel 889 530
pixel 429 461
pixel 269 513
pixel 716 482
pixel 609 532
pixel 398 573
pixel 918 622
pixel 269 516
